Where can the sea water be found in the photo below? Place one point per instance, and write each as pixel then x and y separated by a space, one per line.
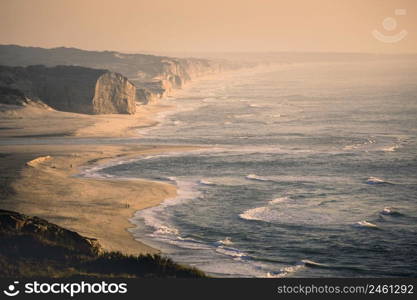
pixel 305 170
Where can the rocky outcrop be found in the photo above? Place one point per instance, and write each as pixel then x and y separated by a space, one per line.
pixel 172 73
pixel 68 88
pixel 33 247
pixel 145 96
pixel 114 93
pixel 154 76
pixel 27 228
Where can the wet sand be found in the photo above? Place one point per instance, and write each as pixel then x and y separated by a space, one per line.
pixel 48 187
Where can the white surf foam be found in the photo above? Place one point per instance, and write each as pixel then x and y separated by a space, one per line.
pixel 263 213
pixel 285 271
pixel 389 211
pixel 365 224
pixel 243 116
pixel 364 146
pixel 372 144
pixel 287 178
pixel 96 171
pixel 257 213
pixel 256 177
pixel 96 174
pixel 310 263
pixel 278 200
pixel 375 180
pixel 206 182
pixel 285 210
pixel 185 243
pixel 155 217
pixel 392 148
pixel 386 211
pixel 162 229
pixel 226 241
pixel 236 254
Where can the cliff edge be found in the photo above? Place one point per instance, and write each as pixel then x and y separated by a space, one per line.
pixel 68 88
pixel 154 76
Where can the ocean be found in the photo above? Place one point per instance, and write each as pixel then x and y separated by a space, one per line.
pixel 303 170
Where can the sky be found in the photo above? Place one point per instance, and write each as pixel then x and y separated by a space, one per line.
pixel 376 26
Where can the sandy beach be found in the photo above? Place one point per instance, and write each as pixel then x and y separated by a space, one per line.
pixel 39 180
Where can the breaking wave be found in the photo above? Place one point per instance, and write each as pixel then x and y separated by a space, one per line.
pixel 365 224
pixel 376 180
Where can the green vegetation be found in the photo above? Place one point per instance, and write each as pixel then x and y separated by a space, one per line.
pixel 111 264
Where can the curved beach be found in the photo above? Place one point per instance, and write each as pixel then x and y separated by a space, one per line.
pixel 41 179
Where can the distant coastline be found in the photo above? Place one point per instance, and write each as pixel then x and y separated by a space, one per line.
pixel 40 179
pixel 98 208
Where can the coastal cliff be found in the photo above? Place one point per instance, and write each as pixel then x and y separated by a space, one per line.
pixel 153 76
pixel 68 88
pixel 114 93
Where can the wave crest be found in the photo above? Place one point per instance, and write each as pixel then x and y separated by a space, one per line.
pixel 206 182
pixel 256 177
pixel 365 224
pixel 278 200
pixel 227 241
pixel 257 213
pixel 233 252
pixel 375 180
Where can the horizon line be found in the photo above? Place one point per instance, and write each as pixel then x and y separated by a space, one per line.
pixel 216 51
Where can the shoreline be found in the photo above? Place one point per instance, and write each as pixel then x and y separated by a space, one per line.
pixel 49 188
pixel 97 208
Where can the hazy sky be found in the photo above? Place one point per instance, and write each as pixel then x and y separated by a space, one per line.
pixel 212 25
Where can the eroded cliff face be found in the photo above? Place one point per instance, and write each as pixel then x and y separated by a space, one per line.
pixel 153 76
pixel 114 94
pixel 171 74
pixel 145 96
pixel 68 88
